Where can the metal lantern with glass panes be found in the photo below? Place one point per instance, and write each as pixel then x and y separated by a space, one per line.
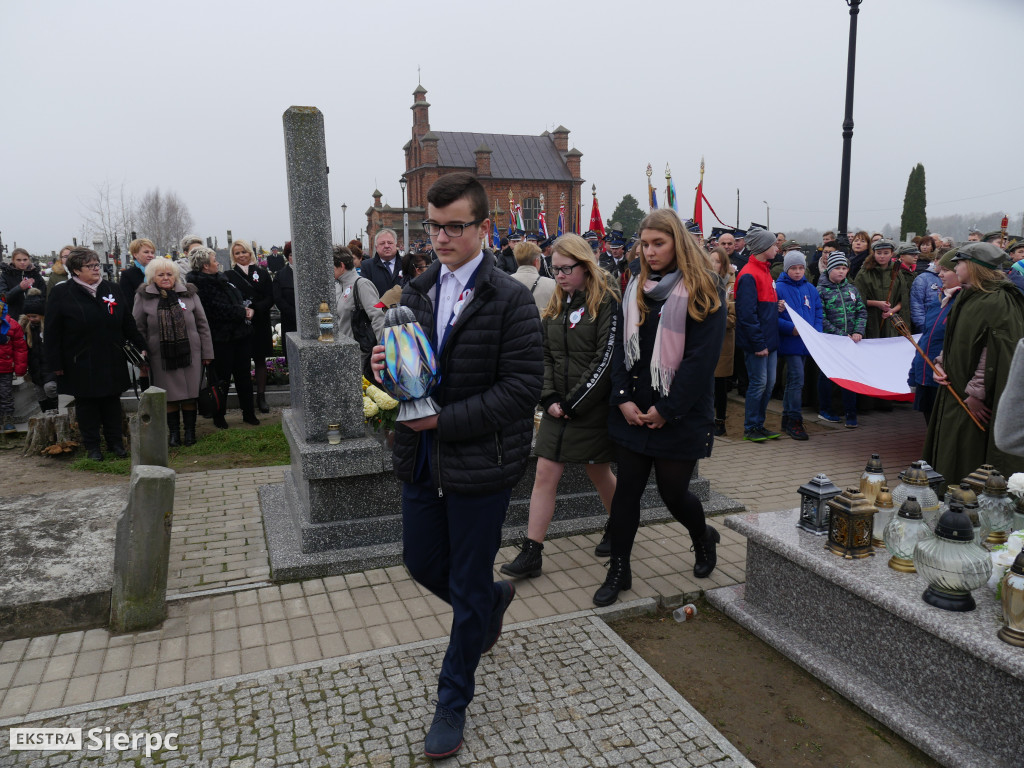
pixel 905 529
pixel 884 511
pixel 872 478
pixel 814 495
pixel 1012 631
pixel 996 508
pixel 952 563
pixel 935 480
pixel 978 477
pixel 914 481
pixel 849 525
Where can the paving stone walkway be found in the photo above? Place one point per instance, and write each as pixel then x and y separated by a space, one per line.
pixel 565 691
pixel 225 619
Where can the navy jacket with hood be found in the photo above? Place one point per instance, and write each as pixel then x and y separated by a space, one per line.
pixel 801 297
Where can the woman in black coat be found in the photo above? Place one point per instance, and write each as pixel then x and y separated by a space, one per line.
pixel 673 323
pixel 230 328
pixel 17 279
pixel 256 286
pixel 87 321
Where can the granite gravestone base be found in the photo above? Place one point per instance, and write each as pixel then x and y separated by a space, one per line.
pixel 355 522
pixel 942 680
pixel 57 560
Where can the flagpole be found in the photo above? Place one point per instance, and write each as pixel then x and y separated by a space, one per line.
pixel 900 326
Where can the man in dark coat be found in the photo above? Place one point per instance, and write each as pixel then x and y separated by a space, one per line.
pixel 384 270
pixel 142 251
pixel 458 467
pixel 284 298
pixel 506 260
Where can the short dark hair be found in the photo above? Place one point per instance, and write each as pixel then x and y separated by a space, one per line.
pixel 343 256
pixel 457 186
pixel 411 260
pixel 79 257
pixel 831 244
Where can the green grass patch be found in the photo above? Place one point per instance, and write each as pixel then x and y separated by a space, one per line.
pixel 261 446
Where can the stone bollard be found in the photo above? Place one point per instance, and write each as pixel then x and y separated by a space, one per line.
pixel 149 429
pixel 142 550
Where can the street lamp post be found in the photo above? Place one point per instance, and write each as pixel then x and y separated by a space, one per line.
pixel 844 181
pixel 767 214
pixel 344 228
pixel 402 182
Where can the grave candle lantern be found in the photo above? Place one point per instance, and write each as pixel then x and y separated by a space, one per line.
pixel 884 510
pixel 410 365
pixel 1012 631
pixel 996 508
pixel 872 478
pixel 902 534
pixel 849 527
pixel 953 563
pixel 814 496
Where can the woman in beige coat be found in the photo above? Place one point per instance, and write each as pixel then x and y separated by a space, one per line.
pixel 171 319
pixel 724 269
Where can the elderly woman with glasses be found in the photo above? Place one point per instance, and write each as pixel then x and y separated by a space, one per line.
pixel 87 321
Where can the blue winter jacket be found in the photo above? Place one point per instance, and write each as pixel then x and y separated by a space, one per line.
pixel 801 297
pixel 925 292
pixel 932 336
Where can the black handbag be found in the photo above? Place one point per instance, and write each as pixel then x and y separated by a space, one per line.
pixel 212 393
pixel 362 329
pixel 132 354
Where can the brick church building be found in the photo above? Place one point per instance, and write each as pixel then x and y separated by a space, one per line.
pixel 534 168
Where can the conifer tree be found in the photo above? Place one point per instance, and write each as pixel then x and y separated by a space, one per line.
pixel 914 218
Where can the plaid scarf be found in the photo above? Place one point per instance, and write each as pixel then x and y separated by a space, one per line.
pixel 175 347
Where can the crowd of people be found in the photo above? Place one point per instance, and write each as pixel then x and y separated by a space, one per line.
pixel 604 349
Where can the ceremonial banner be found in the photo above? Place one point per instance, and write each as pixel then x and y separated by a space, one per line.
pixel 874 367
pixel 561 218
pixel 596 225
pixel 542 225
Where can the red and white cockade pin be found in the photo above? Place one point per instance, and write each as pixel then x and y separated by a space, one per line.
pixel 576 316
pixel 111 302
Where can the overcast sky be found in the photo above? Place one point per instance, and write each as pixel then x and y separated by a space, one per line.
pixel 188 96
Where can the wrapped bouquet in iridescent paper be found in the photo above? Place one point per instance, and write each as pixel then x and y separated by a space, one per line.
pixel 410 365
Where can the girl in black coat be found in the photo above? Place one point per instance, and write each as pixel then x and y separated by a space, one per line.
pixel 257 288
pixel 230 328
pixel 673 322
pixel 87 321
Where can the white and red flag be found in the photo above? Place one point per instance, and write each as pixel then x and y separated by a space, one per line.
pixel 874 367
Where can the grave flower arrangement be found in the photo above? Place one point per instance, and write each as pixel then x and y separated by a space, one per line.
pixel 380 410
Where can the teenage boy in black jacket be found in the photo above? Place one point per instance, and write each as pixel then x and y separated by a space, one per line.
pixel 458 467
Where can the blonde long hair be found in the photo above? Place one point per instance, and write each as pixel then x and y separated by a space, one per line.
pixel 693 265
pixel 596 284
pixel 984 279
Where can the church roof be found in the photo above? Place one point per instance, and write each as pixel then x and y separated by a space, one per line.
pixel 512 157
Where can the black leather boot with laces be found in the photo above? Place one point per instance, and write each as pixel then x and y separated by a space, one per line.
pixel 704 554
pixel 527 562
pixel 618 580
